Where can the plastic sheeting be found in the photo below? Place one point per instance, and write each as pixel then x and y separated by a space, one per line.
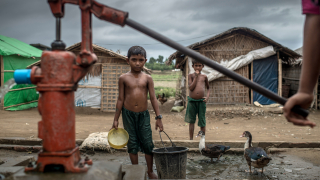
pixel 265 73
pixel 235 63
pixel 24 96
pixel 10 46
pixel 89 97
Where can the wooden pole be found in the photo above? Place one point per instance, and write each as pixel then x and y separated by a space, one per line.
pixel 22 89
pixel 101 90
pixel 7 71
pixel 2 71
pixel 98 87
pixel 19 104
pixel 2 78
pixel 252 81
pixel 187 81
pixel 279 75
pixel 316 94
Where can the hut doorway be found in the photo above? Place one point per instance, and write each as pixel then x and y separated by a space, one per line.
pixel 265 73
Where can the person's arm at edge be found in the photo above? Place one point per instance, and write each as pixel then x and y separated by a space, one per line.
pixel 309 72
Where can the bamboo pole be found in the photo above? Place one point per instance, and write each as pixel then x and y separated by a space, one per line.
pixel 19 104
pixel 187 81
pixel 248 99
pixel 99 87
pixel 316 92
pixel 2 71
pixel 2 78
pixel 252 81
pixel 279 75
pixel 101 91
pixel 22 89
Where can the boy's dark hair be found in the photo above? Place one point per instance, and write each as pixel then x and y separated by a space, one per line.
pixel 194 61
pixel 136 50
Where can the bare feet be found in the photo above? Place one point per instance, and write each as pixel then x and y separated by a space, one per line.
pixel 152 175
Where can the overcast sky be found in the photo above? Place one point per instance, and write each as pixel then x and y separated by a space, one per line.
pixel 185 21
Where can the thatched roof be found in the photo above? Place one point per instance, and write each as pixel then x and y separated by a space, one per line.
pixel 242 30
pixel 99 48
pixel 299 51
pixel 96 47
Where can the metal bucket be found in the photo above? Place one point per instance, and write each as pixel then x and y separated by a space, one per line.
pixel 171 162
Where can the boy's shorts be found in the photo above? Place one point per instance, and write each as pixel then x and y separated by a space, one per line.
pixel 137 124
pixel 194 107
pixel 309 8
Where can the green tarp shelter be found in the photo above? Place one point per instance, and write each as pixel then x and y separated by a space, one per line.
pixel 15 54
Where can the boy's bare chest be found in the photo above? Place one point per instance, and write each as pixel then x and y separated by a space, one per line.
pixel 136 83
pixel 199 79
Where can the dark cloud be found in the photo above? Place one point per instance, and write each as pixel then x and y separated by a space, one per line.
pixel 181 20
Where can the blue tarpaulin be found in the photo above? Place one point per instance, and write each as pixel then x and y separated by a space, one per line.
pixel 265 73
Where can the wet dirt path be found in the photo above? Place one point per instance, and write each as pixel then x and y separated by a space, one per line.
pixel 295 164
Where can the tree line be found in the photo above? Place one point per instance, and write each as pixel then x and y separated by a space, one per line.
pixel 158 64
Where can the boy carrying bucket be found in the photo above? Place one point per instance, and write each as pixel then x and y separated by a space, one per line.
pixel 196 99
pixel 132 102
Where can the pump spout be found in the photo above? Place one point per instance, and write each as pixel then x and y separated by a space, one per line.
pixel 27 76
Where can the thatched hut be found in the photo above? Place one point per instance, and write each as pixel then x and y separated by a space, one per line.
pixel 99 89
pixel 227 46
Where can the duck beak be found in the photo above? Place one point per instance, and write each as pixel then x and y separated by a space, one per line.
pixel 241 136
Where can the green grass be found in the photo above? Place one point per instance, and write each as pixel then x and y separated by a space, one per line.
pixel 165 77
pixel 168 92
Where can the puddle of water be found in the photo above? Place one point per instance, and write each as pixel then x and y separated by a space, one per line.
pixel 234 166
pixel 6 87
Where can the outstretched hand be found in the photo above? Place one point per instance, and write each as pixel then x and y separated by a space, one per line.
pixel 115 125
pixel 159 125
pixel 303 100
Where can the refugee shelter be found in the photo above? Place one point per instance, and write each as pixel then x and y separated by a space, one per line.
pixel 99 89
pixel 245 51
pixel 15 54
pixel 291 79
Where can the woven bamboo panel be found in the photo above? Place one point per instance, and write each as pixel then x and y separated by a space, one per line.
pixel 227 91
pixel 291 75
pixel 110 78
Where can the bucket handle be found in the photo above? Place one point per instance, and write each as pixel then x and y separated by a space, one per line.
pixel 173 145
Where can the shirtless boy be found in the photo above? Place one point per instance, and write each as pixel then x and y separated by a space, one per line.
pixel 196 99
pixel 132 102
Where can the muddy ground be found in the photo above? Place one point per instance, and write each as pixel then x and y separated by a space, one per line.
pixel 223 123
pixel 295 164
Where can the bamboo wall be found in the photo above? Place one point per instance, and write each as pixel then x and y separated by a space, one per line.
pixel 110 68
pixel 291 75
pixel 225 90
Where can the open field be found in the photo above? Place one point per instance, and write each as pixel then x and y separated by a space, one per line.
pixel 166 82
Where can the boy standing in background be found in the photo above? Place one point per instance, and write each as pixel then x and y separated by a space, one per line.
pixel 196 99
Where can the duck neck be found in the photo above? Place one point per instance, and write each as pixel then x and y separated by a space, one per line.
pixel 202 143
pixel 248 143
